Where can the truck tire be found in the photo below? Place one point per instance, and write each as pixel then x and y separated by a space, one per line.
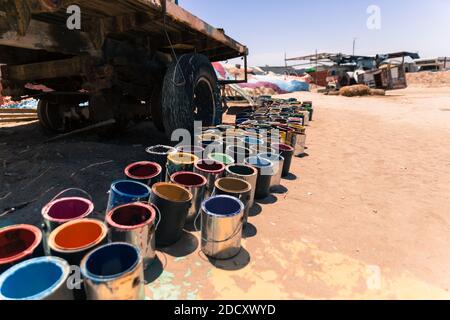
pixel 190 92
pixel 50 117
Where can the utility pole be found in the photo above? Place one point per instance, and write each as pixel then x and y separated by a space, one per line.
pixel 354 45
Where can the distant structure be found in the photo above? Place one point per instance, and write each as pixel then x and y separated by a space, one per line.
pixel 281 70
pixel 337 70
pixel 433 64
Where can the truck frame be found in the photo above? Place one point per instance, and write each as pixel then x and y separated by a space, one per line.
pixel 131 60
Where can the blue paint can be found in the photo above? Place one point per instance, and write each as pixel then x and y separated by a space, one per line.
pixel 222 221
pixel 127 191
pixel 114 272
pixel 43 278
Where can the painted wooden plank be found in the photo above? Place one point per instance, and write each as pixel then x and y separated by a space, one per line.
pixel 45 36
pixel 15 110
pixel 17 116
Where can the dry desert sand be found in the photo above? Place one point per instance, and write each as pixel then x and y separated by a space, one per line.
pixel 368 215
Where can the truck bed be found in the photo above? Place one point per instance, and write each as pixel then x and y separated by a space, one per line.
pixel 164 24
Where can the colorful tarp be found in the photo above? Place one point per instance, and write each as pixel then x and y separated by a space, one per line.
pixel 278 83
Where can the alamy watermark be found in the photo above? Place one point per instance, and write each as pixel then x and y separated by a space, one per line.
pixel 374 19
pixel 74 20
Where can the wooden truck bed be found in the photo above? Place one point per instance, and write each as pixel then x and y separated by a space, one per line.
pixel 41 25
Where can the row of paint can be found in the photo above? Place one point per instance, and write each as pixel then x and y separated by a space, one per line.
pixel 109 255
pixel 149 208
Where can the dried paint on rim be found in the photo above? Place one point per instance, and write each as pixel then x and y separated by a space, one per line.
pixel 283 147
pixel 18 269
pixel 182 158
pixel 116 184
pixel 251 171
pixel 86 267
pixel 54 210
pixel 182 177
pixel 33 239
pixel 226 184
pixel 209 166
pixel 160 150
pixel 148 210
pixel 223 210
pixel 149 170
pixel 72 231
pixel 184 194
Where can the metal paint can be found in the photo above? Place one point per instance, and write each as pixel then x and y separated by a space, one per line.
pixel 278 163
pixel 246 173
pixel 61 210
pixel 173 202
pixel 265 171
pixel 134 223
pixel 114 272
pixel 145 172
pixel 237 188
pixel 196 184
pixel 159 155
pixel 43 278
pixel 18 243
pixel 222 223
pixel 72 240
pixel 287 152
pixel 211 170
pixel 180 161
pixel 127 191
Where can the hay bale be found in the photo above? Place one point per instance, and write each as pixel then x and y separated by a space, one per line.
pixel 355 91
pixel 377 92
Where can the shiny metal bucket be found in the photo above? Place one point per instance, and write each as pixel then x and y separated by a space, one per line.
pixel 114 272
pixel 196 184
pixel 222 223
pixel 306 118
pixel 177 162
pixel 277 169
pixel 61 210
pixel 159 155
pixel 300 146
pixel 134 223
pixel 237 188
pixel 246 173
pixel 211 170
pixel 297 140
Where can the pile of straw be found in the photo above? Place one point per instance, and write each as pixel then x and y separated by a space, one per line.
pixel 355 91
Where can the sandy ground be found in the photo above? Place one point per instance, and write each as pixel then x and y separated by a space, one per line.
pixel 364 215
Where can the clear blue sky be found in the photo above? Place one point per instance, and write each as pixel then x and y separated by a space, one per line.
pixel 271 27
